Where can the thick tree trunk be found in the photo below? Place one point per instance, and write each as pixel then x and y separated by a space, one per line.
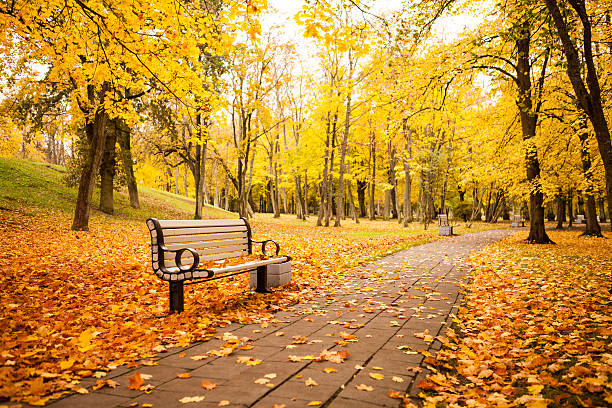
pixel 362 187
pixel 529 119
pixel 592 226
pixel 590 100
pixel 107 171
pixel 602 210
pixel 570 208
pixel 95 130
pixel 124 138
pixel 176 180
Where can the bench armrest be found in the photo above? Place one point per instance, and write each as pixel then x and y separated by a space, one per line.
pixel 179 254
pixel 263 245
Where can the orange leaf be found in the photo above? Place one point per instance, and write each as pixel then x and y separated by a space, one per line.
pixel 136 381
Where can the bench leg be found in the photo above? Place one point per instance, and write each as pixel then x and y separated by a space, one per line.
pixel 177 299
pixel 262 280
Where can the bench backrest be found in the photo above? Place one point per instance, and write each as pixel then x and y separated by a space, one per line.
pixel 212 239
pixel 443 220
pixel 516 217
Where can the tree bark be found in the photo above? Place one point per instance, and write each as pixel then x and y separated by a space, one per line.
pixel 344 146
pixel 593 228
pixel 590 100
pixel 407 179
pixel 323 184
pixel 95 130
pixel 560 209
pixel 362 187
pixel 529 119
pixel 107 171
pixel 372 215
pixel 602 210
pixel 124 138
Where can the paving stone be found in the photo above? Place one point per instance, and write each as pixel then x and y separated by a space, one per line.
pixel 352 403
pixel 92 400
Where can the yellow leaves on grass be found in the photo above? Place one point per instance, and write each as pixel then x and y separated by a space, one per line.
pixel 530 332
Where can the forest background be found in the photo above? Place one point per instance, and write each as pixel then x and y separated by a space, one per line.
pixel 367 112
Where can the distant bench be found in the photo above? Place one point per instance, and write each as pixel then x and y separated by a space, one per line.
pixel 178 247
pixel 580 219
pixel 444 228
pixel 517 221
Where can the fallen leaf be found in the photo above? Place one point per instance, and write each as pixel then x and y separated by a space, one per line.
pixel 136 381
pixel 363 387
pixel 310 382
pixel 376 376
pixel 197 398
pixel 207 385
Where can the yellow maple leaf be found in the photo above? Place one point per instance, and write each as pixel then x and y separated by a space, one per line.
pixel 376 376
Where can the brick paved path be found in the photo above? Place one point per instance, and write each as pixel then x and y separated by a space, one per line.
pixel 406 293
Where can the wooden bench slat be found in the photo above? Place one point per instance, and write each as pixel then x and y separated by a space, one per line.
pixel 202 238
pixel 213 257
pixel 201 223
pixel 247 265
pixel 203 232
pixel 209 244
pixel 208 251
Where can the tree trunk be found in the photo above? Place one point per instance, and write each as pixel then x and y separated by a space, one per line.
pixel 199 168
pixel 590 100
pixel 592 226
pixel 95 130
pixel 305 194
pixel 185 189
pixel 323 184
pixel 362 186
pixel 299 199
pixel 570 208
pixel 528 118
pixel 124 138
pixel 560 209
pixel 407 179
pixel 602 210
pixel 107 171
pixel 372 215
pixel 343 148
pixel 330 174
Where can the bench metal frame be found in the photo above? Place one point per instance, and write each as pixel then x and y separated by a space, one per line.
pixel 176 289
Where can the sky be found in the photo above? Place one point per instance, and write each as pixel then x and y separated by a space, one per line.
pixel 447 28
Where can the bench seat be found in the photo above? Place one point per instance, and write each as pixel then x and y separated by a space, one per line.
pixel 182 252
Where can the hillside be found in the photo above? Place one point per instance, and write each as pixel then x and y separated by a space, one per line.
pixel 34 185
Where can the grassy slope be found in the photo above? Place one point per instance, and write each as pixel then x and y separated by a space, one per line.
pixel 33 185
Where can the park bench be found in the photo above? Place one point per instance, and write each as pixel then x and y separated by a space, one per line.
pixel 444 228
pixel 178 247
pixel 580 219
pixel 517 221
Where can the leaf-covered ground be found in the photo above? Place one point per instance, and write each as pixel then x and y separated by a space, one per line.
pixel 77 304
pixel 535 330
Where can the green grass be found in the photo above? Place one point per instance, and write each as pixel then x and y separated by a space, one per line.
pixel 33 185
